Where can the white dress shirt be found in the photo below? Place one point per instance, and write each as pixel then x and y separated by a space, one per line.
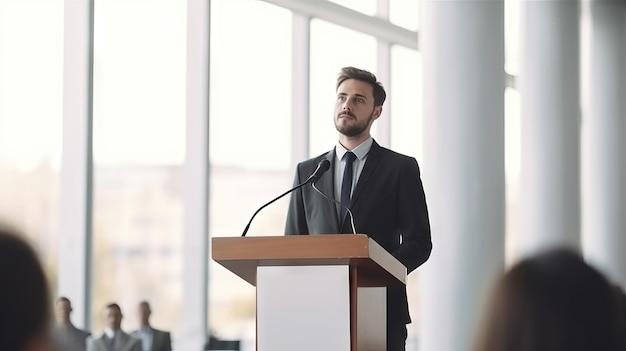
pixel 146 338
pixel 361 153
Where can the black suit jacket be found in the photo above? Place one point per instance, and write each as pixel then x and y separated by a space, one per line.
pixel 161 340
pixel 388 205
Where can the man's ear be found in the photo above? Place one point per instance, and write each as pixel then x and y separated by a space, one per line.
pixel 378 110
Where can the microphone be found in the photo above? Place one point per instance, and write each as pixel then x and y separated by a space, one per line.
pixel 337 202
pixel 322 167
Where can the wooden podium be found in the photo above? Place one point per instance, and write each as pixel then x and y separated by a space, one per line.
pixel 315 292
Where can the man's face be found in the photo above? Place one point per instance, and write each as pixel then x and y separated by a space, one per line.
pixel 144 313
pixel 113 318
pixel 62 311
pixel 354 108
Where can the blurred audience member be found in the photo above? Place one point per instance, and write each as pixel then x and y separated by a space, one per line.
pixel 113 338
pixel 66 336
pixel 151 339
pixel 25 314
pixel 553 301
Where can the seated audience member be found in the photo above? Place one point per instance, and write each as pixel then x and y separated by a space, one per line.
pixel 553 301
pixel 113 338
pixel 25 314
pixel 151 339
pixel 66 336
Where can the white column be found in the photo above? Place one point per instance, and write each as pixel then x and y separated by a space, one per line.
pixel 462 44
pixel 550 127
pixel 603 139
pixel 383 73
pixel 77 165
pixel 300 81
pixel 194 317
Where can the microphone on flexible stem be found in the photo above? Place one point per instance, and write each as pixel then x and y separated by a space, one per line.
pixel 322 167
pixel 337 202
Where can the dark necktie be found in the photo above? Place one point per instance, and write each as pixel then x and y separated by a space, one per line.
pixel 346 185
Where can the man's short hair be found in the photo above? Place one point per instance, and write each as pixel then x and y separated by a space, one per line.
pixel 113 305
pixel 63 299
pixel 364 76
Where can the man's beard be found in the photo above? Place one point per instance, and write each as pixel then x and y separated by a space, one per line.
pixel 355 129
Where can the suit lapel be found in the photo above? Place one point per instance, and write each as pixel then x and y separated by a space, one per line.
pixel 155 342
pixel 372 162
pixel 123 341
pixel 105 343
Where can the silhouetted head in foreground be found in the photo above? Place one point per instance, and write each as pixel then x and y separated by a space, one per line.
pixel 551 302
pixel 25 311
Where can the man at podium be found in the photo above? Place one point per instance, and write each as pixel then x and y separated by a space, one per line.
pixel 368 189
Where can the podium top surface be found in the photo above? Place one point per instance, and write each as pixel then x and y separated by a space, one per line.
pixel 242 255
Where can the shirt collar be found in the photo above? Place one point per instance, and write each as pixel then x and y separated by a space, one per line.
pixel 109 332
pixel 360 151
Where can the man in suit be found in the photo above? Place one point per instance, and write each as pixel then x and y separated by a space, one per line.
pixel 65 335
pixel 382 188
pixel 113 338
pixel 151 339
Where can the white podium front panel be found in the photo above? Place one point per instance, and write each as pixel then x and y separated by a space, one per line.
pixel 372 319
pixel 303 308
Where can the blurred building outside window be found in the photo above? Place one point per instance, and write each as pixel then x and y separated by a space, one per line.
pixel 249 144
pixel 31 110
pixel 139 150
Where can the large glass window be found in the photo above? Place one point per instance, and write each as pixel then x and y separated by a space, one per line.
pixel 367 7
pixel 406 138
pixel 139 142
pixel 332 47
pixel 512 161
pixel 406 102
pixel 31 110
pixel 512 109
pixel 404 13
pixel 250 128
pixel 512 36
